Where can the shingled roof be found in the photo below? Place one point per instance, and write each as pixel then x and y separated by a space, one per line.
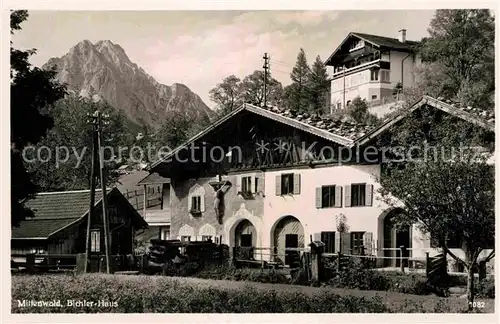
pixel 389 42
pixel 55 211
pixel 345 131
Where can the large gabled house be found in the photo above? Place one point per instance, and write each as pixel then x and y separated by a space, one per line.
pixel 267 177
pixel 60 224
pixel 371 66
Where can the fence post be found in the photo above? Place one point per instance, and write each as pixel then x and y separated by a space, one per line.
pixel 81 259
pixel 402 249
pixel 339 260
pixel 30 263
pixel 316 251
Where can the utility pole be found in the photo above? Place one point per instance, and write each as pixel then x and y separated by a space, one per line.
pixel 92 194
pixel 98 120
pixel 266 68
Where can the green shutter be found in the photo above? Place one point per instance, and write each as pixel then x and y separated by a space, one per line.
pixel 347 197
pixel 278 185
pixel 368 242
pixel 202 203
pixel 368 194
pixel 346 243
pixel 296 183
pixel 238 183
pixel 338 196
pixel 260 185
pixel 337 242
pixel 318 197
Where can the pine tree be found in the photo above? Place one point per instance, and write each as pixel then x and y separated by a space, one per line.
pixel 319 84
pixel 299 98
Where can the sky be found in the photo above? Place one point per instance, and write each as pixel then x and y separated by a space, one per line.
pixel 201 48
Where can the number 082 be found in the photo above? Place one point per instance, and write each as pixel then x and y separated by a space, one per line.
pixel 478 304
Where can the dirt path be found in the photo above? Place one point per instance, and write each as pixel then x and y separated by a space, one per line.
pixel 393 300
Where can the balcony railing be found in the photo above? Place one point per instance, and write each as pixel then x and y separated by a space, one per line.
pixel 158 216
pixel 357 67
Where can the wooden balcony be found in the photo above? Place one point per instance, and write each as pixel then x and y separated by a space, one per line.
pixel 158 217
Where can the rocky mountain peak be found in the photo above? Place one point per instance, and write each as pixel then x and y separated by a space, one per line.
pixel 104 70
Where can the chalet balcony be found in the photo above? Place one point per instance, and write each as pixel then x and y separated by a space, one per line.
pixel 158 217
pixel 339 72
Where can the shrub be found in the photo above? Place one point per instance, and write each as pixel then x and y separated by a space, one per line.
pixel 243 274
pixel 142 294
pixel 486 288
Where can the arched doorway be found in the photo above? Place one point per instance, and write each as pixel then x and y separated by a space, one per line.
pixel 287 233
pixel 245 234
pixel 394 238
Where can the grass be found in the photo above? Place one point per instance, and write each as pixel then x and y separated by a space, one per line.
pixel 158 294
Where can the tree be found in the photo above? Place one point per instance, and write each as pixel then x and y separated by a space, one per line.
pixel 31 91
pixel 227 95
pixel 461 48
pixel 232 92
pixel 253 89
pixel 298 94
pixel 443 186
pixel 173 131
pixel 319 84
pixel 358 111
pixel 70 140
pixel 445 198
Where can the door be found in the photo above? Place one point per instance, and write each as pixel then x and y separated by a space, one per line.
pixel 246 240
pixel 403 239
pixel 291 241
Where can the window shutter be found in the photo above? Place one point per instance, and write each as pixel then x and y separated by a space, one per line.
pixel 278 185
pixel 238 183
pixel 317 237
pixel 190 202
pixel 202 203
pixel 368 194
pixel 296 183
pixel 346 243
pixel 318 197
pixel 260 185
pixel 255 182
pixel 368 242
pixel 347 197
pixel 338 196
pixel 337 242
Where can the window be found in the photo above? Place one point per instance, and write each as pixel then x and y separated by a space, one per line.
pixel 165 233
pixel 256 189
pixel 196 204
pixel 185 238
pixel 287 184
pixel 329 239
pixel 206 237
pixel 385 76
pixel 374 75
pixel 356 45
pixel 327 196
pixel 374 97
pixel 246 185
pixel 357 244
pixel 95 241
pixel 358 193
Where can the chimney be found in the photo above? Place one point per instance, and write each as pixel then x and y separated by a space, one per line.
pixel 402 36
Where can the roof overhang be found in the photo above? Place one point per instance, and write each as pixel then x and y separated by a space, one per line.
pixel 267 114
pixel 426 100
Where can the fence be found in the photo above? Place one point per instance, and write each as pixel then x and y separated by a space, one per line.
pixel 55 262
pixel 268 257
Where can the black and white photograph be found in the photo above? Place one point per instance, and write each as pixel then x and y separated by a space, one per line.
pixel 251 161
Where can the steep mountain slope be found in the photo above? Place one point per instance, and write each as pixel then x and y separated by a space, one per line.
pixel 103 70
